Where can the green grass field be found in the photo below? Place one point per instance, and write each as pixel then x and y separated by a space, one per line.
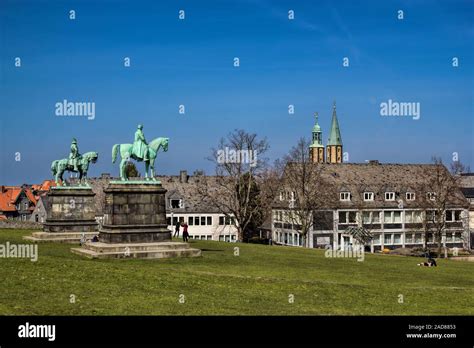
pixel 258 282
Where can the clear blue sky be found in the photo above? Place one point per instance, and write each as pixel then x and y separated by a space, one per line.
pixel 190 62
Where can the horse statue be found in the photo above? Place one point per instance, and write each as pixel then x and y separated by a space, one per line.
pixel 126 154
pixel 58 167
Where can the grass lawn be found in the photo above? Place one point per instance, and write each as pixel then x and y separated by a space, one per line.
pixel 258 282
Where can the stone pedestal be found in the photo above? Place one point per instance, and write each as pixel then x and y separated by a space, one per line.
pixel 134 213
pixel 70 214
pixel 134 224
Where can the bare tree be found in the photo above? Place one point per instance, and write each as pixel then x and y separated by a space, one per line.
pixel 237 189
pixel 441 192
pixel 305 187
pixel 457 168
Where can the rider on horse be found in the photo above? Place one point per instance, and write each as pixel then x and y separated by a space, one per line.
pixel 74 155
pixel 140 146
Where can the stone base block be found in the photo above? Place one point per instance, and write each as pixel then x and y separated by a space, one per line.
pixel 134 234
pixel 100 250
pixel 70 209
pixel 76 226
pixel 134 213
pixel 59 237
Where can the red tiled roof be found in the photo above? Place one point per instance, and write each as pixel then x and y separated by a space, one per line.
pixel 47 184
pixel 9 196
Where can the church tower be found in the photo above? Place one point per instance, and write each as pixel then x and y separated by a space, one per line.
pixel 316 149
pixel 334 145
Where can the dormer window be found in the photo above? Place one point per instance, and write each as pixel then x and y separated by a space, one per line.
pixel 281 196
pixel 368 196
pixel 345 196
pixel 389 196
pixel 410 196
pixel 176 203
pixel 431 196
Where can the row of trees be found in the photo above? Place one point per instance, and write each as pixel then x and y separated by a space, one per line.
pixel 245 186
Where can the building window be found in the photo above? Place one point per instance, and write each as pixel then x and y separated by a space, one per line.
pixel 375 217
pixel 389 196
pixel 397 238
pixel 366 217
pixel 410 196
pixel 190 220
pixel 368 196
pixel 370 217
pixel 453 215
pixel 408 238
pixel 449 237
pixel 345 196
pixel 175 221
pixel 209 237
pixel 203 221
pixel 431 196
pixel 221 238
pixel 413 216
pixel 457 237
pixel 25 205
pixel 418 238
pixel 221 220
pixel 168 221
pixel 281 196
pixel 209 220
pixel 392 217
pixel 376 239
pixel 347 217
pixel 196 220
pixel 387 239
pixel 175 203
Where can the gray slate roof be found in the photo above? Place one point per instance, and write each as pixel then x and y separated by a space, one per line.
pixel 187 191
pixel 380 178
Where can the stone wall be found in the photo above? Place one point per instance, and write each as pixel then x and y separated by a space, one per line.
pixel 15 224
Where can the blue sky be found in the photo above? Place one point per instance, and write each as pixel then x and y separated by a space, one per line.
pixel 190 62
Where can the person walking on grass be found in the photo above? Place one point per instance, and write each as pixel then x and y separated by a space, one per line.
pixel 176 229
pixel 185 232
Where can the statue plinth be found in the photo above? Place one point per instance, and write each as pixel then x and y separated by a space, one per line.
pixel 135 225
pixel 70 215
pixel 135 212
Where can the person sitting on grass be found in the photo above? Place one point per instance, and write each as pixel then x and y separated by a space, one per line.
pixel 431 263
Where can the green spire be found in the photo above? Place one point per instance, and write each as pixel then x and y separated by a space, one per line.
pixel 317 134
pixel 335 134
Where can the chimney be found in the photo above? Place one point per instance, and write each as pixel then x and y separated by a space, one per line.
pixel 183 176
